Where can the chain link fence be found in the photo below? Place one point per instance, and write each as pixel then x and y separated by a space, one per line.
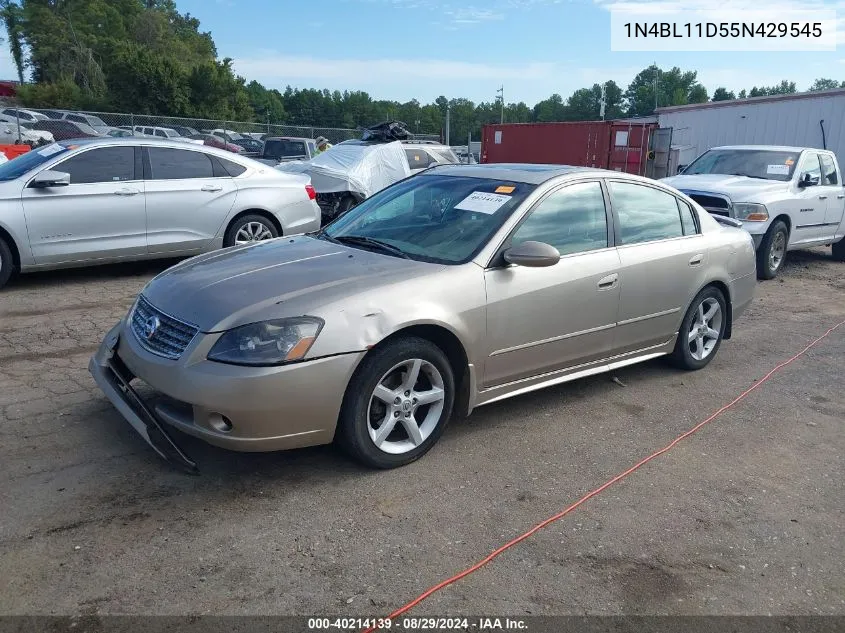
pixel 186 126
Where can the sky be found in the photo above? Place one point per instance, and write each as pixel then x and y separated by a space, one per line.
pixel 405 49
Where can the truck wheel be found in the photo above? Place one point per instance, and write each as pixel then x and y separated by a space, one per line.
pixel 839 250
pixel 7 264
pixel 772 251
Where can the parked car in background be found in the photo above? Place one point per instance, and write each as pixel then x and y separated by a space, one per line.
pixel 151 130
pixel 184 131
pixel 52 114
pixel 100 200
pixel 9 132
pixel 229 135
pixel 93 122
pixel 64 130
pixel 249 145
pixel 512 279
pixel 353 170
pixel 279 149
pixel 786 197
pixel 116 132
pixel 215 141
pixel 23 115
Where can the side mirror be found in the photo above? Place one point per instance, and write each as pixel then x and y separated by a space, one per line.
pixel 807 180
pixel 532 255
pixel 49 178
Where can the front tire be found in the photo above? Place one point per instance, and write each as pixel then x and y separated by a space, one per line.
pixel 7 266
pixel 249 229
pixel 838 250
pixel 701 331
pixel 397 404
pixel 772 252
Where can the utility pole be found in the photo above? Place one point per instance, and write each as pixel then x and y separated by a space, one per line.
pixel 602 101
pixel 501 95
pixel 448 115
pixel 656 84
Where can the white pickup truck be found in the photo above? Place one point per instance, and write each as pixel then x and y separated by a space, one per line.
pixel 786 197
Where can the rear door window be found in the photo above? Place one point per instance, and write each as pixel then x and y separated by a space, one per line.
pixel 179 164
pixel 645 214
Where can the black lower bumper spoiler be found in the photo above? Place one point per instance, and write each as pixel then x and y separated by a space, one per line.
pixel 114 378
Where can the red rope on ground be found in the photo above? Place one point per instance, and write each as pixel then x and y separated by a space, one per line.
pixel 445 583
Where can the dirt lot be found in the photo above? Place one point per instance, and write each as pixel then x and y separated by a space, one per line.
pixel 745 517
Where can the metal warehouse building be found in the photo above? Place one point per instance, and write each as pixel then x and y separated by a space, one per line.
pixel 807 119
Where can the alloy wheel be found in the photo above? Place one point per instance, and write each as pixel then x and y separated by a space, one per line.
pixel 705 329
pixel 252 232
pixel 406 406
pixel 777 250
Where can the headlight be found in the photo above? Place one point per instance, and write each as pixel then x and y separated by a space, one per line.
pixel 750 212
pixel 267 343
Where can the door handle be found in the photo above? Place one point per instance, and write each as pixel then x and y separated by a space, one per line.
pixel 608 282
pixel 823 197
pixel 127 192
pixel 212 188
pixel 840 196
pixel 695 260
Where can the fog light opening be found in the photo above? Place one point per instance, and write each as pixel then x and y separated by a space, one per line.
pixel 220 422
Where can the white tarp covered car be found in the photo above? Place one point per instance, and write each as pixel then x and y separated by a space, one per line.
pixel 350 172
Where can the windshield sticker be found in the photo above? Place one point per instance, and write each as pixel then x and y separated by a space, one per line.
pixel 505 189
pixel 483 202
pixel 55 148
pixel 777 170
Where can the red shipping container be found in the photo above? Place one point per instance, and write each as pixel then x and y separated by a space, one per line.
pixel 617 145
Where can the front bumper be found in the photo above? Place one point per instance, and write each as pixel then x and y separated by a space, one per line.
pixel 238 408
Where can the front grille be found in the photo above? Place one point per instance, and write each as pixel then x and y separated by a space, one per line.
pixel 710 202
pixel 159 333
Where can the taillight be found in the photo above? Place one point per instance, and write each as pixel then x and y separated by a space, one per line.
pixel 309 189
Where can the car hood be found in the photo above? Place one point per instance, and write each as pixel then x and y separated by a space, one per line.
pixel 740 188
pixel 235 286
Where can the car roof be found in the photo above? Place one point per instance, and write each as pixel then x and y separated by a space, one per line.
pixel 770 148
pixel 516 172
pixel 288 138
pixel 149 140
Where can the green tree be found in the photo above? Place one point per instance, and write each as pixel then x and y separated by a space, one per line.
pixel 674 87
pixel 783 88
pixel 723 94
pixel 551 109
pixel 826 84
pixel 585 104
pixel 12 16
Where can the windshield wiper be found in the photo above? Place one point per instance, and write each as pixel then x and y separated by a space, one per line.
pixel 750 176
pixel 369 241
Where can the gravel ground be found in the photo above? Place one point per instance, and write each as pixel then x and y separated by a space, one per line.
pixel 745 517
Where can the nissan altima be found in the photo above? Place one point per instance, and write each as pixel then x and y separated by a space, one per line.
pixel 444 292
pixel 93 201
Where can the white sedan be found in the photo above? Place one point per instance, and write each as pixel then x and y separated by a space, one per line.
pixel 93 201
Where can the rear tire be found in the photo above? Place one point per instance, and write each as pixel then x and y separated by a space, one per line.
pixel 248 229
pixel 701 331
pixel 838 250
pixel 383 396
pixel 7 264
pixel 772 252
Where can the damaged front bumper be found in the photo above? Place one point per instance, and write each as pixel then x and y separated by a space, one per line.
pixel 114 378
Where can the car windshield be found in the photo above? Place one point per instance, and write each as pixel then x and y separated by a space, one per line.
pixel 28 161
pixel 753 163
pixel 436 218
pixel 284 149
pixel 94 121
